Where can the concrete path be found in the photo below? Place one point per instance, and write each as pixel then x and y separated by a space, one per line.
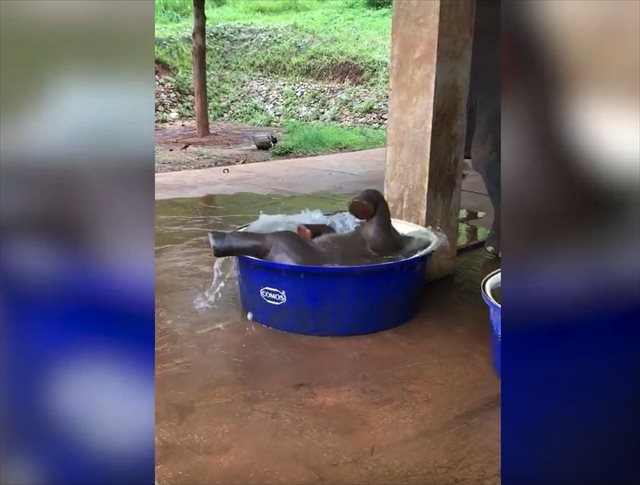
pixel 339 173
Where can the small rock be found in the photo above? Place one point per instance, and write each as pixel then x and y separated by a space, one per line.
pixel 173 115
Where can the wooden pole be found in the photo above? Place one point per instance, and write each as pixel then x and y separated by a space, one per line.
pixel 430 67
pixel 199 54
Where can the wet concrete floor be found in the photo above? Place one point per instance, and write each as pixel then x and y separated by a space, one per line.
pixel 238 403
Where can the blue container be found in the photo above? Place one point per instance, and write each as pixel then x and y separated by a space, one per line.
pixel 490 282
pixel 332 300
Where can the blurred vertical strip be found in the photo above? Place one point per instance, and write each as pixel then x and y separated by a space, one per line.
pixel 77 237
pixel 571 242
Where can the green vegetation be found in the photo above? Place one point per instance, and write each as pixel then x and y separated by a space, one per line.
pixel 313 139
pixel 316 39
pixel 171 11
pixel 349 23
pixel 343 42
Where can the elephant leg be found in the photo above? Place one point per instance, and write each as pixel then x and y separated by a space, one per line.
pixel 485 158
pixel 471 124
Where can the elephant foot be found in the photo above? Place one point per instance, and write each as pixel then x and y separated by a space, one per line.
pixel 492 245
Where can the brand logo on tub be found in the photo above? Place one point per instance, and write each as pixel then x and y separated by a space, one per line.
pixel 273 296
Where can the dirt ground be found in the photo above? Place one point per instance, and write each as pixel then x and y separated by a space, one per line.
pixel 178 148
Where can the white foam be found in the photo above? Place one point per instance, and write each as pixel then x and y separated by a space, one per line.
pixel 340 222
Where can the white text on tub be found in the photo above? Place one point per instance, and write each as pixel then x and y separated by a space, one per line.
pixel 273 296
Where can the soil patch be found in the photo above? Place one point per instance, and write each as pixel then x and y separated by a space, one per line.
pixel 344 72
pixel 162 68
pixel 178 147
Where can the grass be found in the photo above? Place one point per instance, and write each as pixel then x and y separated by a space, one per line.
pixel 307 38
pixel 293 40
pixel 318 16
pixel 172 11
pixel 272 7
pixel 312 139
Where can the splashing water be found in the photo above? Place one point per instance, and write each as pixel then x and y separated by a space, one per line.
pixel 222 272
pixel 340 221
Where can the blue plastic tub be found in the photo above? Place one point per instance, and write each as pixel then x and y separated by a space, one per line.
pixel 490 282
pixel 332 300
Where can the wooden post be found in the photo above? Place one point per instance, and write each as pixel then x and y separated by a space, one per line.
pixel 199 54
pixel 430 67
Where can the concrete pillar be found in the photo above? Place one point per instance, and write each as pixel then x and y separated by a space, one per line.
pixel 430 66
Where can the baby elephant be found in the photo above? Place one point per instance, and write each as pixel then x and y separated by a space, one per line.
pixel 375 240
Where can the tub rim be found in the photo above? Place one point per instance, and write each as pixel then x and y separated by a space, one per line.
pixel 489 282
